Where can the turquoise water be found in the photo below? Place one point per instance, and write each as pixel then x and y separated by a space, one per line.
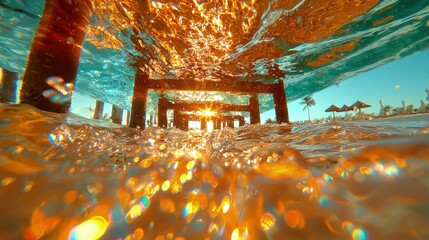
pixel 66 177
pixel 389 30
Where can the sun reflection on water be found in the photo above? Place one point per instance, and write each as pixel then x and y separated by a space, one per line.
pixel 170 184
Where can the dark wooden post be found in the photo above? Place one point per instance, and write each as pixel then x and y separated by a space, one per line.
pixel 230 122
pixel 177 119
pixel 185 122
pixel 98 111
pixel 280 103
pixel 241 121
pixel 203 122
pixel 55 51
pixel 117 114
pixel 8 92
pixel 255 115
pixel 162 112
pixel 151 120
pixel 138 108
pixel 216 123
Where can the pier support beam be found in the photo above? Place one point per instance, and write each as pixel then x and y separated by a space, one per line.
pixel 230 122
pixel 55 51
pixel 216 123
pixel 8 91
pixel 164 104
pixel 162 112
pixel 241 121
pixel 255 115
pixel 185 122
pixel 138 108
pixel 248 88
pixel 117 114
pixel 178 119
pixel 98 111
pixel 280 103
pixel 203 122
pixel 151 120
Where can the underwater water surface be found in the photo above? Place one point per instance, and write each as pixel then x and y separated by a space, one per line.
pixel 67 177
pixel 309 44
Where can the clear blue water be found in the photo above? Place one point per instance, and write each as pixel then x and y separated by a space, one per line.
pixel 66 177
pixel 387 30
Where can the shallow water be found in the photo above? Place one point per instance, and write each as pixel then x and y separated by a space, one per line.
pixel 66 177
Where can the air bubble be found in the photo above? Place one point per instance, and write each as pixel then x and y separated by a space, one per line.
pixel 61 92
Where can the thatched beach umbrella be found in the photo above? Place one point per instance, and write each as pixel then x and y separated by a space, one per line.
pixel 333 109
pixel 346 108
pixel 359 105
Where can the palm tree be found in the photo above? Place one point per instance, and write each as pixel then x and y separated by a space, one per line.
pixel 308 101
pixel 387 109
pixel 269 120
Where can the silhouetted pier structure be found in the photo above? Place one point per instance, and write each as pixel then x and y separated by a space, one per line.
pixel 9 86
pixel 143 84
pixel 116 113
pixel 180 119
pixel 55 52
pixel 98 111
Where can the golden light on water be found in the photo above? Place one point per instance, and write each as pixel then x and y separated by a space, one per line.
pixel 168 205
pixel 201 39
pixel 92 229
pixel 6 181
pixel 225 205
pixel 70 197
pixel 134 212
pixel 183 191
pixel 240 233
pixel 186 30
pixel 137 235
pixel 267 221
pixel 165 186
pixel 295 219
pixel 190 210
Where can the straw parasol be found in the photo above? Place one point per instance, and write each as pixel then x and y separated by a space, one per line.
pixel 333 109
pixel 359 105
pixel 346 108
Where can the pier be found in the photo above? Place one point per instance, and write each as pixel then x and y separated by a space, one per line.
pixel 143 84
pixel 55 52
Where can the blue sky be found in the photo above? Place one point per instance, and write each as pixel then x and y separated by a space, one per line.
pixel 405 79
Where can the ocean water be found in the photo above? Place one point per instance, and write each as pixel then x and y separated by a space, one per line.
pixel 67 177
pixel 310 44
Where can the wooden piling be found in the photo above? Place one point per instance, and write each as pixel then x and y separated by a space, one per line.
pixel 8 91
pixel 55 52
pixel 117 113
pixel 280 103
pixel 138 108
pixel 98 111
pixel 162 112
pixel 255 115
